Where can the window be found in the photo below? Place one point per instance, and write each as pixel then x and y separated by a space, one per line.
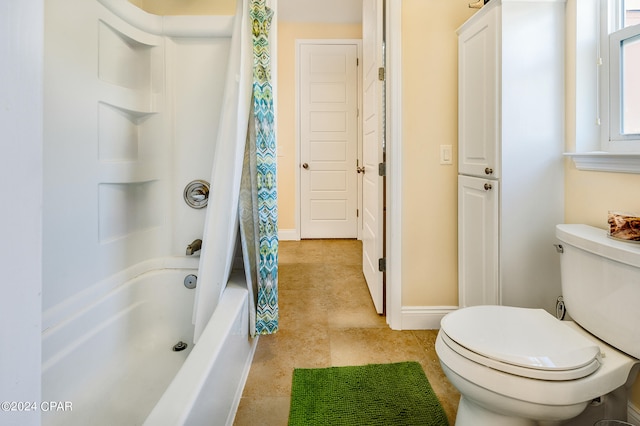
pixel 620 75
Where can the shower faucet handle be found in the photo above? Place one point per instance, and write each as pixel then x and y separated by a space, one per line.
pixel 200 194
pixel 196 194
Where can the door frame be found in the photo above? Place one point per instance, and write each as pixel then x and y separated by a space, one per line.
pixel 394 229
pixel 299 43
pixel 393 36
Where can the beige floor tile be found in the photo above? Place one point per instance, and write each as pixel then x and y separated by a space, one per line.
pixel 265 411
pixel 327 318
pixel 301 309
pixel 278 354
pixel 373 346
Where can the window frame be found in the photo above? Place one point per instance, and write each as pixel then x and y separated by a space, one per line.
pixel 612 34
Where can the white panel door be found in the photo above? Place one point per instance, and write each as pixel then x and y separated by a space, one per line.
pixel 372 151
pixel 478 242
pixel 328 140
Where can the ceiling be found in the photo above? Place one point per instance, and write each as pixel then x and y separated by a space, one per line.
pixel 332 11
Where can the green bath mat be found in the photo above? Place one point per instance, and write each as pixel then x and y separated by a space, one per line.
pixel 378 394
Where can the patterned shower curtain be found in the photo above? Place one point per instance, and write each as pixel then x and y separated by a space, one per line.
pixel 258 208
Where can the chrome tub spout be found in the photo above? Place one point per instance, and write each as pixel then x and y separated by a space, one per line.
pixel 194 247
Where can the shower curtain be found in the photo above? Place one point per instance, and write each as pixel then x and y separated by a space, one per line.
pixel 247 79
pixel 258 196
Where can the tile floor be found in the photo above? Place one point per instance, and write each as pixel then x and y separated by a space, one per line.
pixel 327 319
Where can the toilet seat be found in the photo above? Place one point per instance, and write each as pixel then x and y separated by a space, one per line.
pixel 525 342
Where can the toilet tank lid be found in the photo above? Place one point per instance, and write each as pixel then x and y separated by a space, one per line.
pixel 530 338
pixel 597 241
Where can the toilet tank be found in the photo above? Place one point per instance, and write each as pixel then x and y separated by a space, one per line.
pixel 601 284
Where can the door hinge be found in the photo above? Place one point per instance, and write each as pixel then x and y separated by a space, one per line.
pixel 381 74
pixel 382 264
pixel 357 61
pixel 357 212
pixel 382 169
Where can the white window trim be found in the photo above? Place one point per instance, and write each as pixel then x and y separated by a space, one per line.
pixel 613 139
pixel 601 161
pixel 617 155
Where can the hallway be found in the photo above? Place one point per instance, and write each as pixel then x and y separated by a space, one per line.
pixel 327 319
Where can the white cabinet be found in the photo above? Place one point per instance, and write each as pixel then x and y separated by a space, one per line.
pixel 478 241
pixel 511 138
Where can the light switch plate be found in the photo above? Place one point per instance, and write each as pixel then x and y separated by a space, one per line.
pixel 446 154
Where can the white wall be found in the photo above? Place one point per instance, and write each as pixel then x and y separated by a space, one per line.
pixel 21 212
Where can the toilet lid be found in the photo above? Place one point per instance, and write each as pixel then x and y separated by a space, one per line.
pixel 527 342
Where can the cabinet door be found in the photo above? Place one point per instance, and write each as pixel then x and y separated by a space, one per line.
pixel 478 281
pixel 478 95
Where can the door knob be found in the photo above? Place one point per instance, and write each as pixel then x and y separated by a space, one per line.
pixel 360 169
pixel 305 166
pixel 487 186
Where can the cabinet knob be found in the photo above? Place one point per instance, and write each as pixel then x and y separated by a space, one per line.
pixel 488 171
pixel 487 186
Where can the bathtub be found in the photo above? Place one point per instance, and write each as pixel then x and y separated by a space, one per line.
pixel 108 358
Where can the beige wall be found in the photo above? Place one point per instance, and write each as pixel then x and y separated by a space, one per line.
pixel 187 7
pixel 288 32
pixel 430 107
pixel 590 195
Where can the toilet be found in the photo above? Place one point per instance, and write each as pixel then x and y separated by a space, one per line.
pixel 519 366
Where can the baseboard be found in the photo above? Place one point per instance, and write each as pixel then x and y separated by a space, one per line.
pixel 288 235
pixel 633 414
pixel 424 317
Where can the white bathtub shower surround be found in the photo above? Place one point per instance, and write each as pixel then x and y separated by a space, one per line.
pixel 113 360
pixel 130 117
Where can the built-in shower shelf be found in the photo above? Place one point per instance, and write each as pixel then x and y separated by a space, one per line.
pixel 128 172
pixel 133 101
